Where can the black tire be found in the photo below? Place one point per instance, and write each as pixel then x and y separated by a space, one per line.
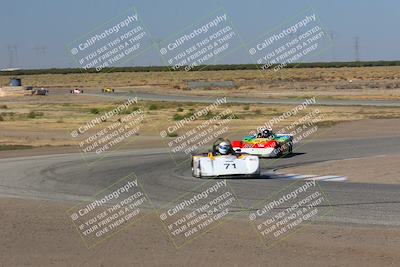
pixel 290 150
pixel 193 171
pixel 280 153
pixel 258 173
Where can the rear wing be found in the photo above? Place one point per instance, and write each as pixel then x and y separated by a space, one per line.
pixel 284 134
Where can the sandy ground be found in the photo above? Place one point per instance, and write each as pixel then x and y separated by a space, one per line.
pixel 365 170
pixel 38 233
pixel 139 142
pixel 362 129
pixel 359 128
pixel 61 113
pixel 379 169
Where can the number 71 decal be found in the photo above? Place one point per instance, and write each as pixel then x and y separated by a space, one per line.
pixel 230 164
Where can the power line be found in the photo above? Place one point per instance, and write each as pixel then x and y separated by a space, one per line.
pixel 40 49
pixel 357 48
pixel 12 55
pixel 332 35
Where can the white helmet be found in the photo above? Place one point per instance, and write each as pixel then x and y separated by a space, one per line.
pixel 224 148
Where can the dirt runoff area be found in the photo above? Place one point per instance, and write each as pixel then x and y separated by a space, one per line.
pixel 38 233
pixel 383 169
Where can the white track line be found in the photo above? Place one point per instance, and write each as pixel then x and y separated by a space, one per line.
pixel 329 178
pixel 294 176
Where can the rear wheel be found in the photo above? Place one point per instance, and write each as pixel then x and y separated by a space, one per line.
pixel 290 149
pixel 258 173
pixel 196 171
pixel 278 152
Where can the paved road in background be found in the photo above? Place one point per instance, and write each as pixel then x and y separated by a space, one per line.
pixel 286 101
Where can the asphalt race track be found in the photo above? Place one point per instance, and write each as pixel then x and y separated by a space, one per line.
pixel 244 100
pixel 67 177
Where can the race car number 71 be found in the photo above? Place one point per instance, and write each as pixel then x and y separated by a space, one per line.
pixel 230 164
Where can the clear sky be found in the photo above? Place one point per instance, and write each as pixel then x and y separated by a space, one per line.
pixel 36 33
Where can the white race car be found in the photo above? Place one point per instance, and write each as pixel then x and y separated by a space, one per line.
pixel 212 164
pixel 76 91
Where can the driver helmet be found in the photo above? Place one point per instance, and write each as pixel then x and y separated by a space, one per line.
pixel 223 148
pixel 266 133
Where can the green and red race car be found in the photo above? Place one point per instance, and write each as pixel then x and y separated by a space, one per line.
pixel 265 144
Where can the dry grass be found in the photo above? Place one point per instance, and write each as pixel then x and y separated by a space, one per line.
pixel 169 79
pixel 54 120
pixel 333 83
